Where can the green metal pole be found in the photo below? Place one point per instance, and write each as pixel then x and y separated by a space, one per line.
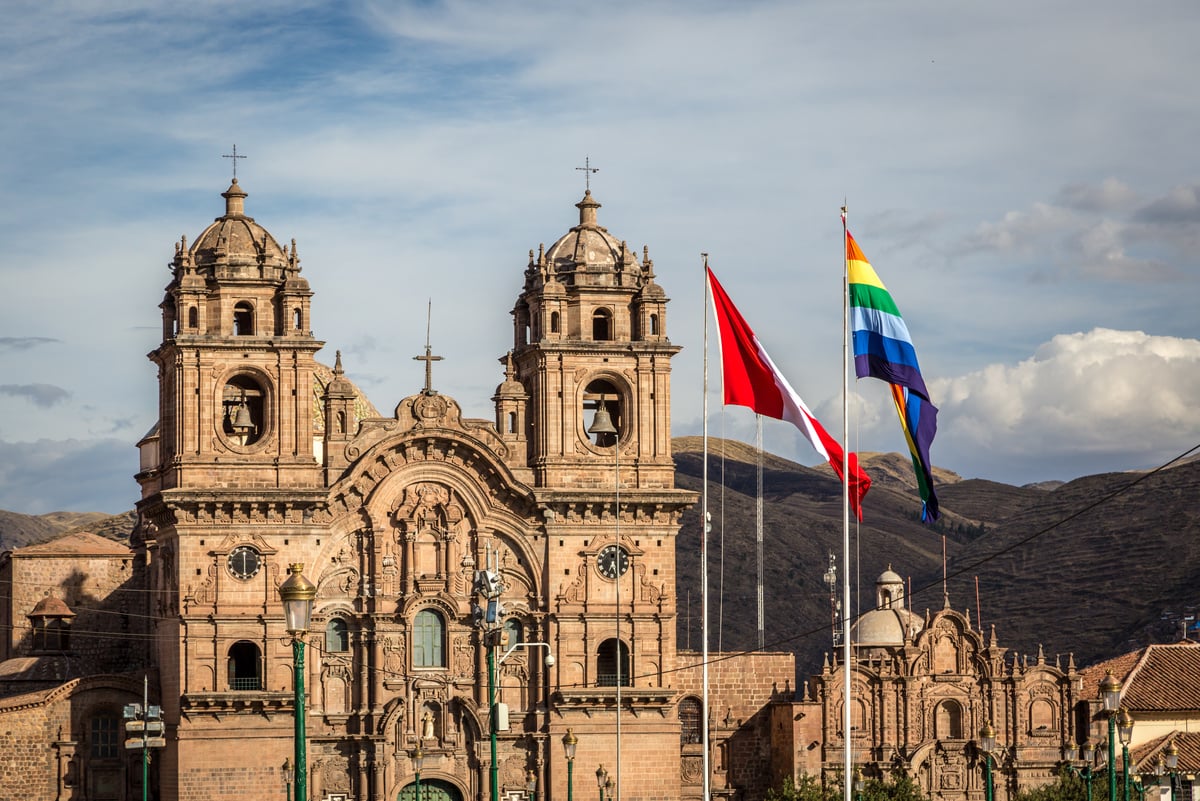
pixel 301 764
pixel 1112 757
pixel 987 777
pixel 495 770
pixel 418 785
pixel 1125 768
pixel 570 779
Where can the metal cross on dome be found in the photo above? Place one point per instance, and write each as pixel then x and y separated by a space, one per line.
pixel 587 169
pixel 235 157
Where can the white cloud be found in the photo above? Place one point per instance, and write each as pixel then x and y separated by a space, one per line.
pixel 1079 400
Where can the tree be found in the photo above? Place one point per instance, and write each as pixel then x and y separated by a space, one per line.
pixel 1069 786
pixel 899 787
pixel 807 789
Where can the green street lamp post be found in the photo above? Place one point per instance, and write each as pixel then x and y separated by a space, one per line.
pixel 987 744
pixel 1088 755
pixel 1110 697
pixel 1125 730
pixel 297 594
pixel 570 741
pixel 858 784
pixel 418 759
pixel 1171 762
pixel 531 785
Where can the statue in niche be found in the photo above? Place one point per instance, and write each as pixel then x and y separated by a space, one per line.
pixel 427 726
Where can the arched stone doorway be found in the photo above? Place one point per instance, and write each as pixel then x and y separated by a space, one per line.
pixel 431 790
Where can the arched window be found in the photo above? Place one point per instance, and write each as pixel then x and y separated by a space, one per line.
pixel 428 636
pixel 690 717
pixel 602 393
pixel 1041 717
pixel 602 325
pixel 948 723
pixel 297 318
pixel 606 664
pixel 243 320
pixel 512 422
pixel 337 635
pixel 193 317
pixel 553 322
pixel 341 422
pixel 512 632
pixel 245 666
pixel 103 733
pixel 654 325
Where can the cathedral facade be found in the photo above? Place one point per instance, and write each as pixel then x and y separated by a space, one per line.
pixel 262 458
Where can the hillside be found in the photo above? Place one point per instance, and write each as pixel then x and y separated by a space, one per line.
pixel 18 530
pixel 1093 586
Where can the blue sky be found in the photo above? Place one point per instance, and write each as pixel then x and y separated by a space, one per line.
pixel 1022 176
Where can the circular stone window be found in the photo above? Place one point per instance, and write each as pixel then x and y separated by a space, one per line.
pixel 244 562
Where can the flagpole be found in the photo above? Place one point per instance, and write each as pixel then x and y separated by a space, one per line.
pixel 704 557
pixel 847 764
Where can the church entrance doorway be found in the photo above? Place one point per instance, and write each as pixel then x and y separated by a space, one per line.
pixel 432 790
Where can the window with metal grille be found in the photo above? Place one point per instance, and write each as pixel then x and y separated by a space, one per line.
pixel 105 730
pixel 245 666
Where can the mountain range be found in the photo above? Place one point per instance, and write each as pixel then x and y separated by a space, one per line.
pixel 1092 567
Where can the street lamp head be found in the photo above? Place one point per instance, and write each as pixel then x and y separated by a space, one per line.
pixel 858 780
pixel 1125 726
pixel 1089 752
pixel 987 738
pixel 569 742
pixel 1171 754
pixel 608 786
pixel 1110 692
pixel 1160 767
pixel 287 771
pixel 549 660
pixel 297 594
pixel 418 759
pixel 531 781
pixel 1071 752
pixel 601 775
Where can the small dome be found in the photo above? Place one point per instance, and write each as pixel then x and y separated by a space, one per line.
pixel 235 240
pixel 879 627
pixel 322 377
pixel 889 576
pixel 589 248
pixel 51 607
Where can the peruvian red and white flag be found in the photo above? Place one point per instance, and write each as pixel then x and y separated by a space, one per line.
pixel 752 380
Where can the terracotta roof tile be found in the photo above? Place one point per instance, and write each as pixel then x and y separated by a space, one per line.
pixel 1166 679
pixel 80 543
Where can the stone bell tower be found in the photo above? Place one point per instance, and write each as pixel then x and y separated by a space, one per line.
pixel 590 333
pixel 592 354
pixel 236 362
